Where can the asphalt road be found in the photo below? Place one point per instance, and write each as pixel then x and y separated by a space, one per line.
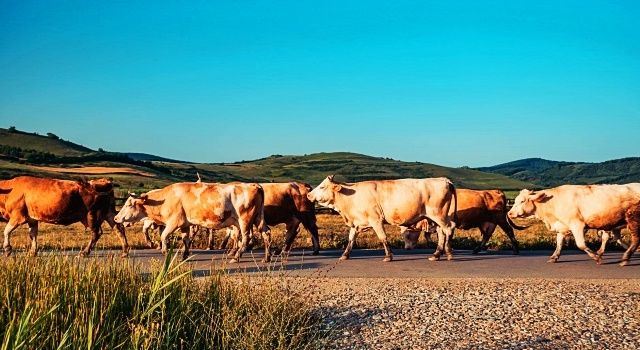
pixel 412 264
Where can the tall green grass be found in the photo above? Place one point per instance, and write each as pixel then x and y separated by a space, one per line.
pixel 69 303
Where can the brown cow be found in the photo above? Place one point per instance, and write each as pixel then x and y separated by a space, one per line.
pixel 287 203
pixel 484 210
pixel 27 199
pixel 209 205
pixel 371 204
pixel 576 208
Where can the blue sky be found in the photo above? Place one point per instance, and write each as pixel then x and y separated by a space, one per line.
pixel 448 82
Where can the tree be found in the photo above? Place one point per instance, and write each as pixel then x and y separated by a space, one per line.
pixel 53 136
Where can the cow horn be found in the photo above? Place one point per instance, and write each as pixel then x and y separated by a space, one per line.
pixel 199 179
pixel 133 194
pixel 330 177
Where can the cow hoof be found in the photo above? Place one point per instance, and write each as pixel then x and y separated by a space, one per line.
pixel 598 259
pixel 624 263
pixel 32 253
pixel 7 251
pixel 434 258
pixel 387 258
pixel 266 260
pixel 552 260
pixel 449 257
pixel 83 254
pixel 344 257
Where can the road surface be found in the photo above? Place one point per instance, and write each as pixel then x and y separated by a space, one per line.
pixel 411 264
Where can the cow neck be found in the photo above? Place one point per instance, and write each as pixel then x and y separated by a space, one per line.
pixel 542 211
pixel 153 210
pixel 339 201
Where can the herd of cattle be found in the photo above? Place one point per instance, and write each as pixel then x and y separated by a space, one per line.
pixel 415 205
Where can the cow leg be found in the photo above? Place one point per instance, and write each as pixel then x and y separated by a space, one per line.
pixel 448 232
pixel 578 235
pixel 210 239
pixel 440 247
pixel 121 235
pixel 353 234
pixel 33 235
pixel 95 235
pixel 559 242
pixel 604 237
pixel 382 236
pixel 266 238
pixel 160 230
pixel 233 234
pixel 245 233
pixel 309 222
pixel 633 224
pixel 187 234
pixel 145 231
pixel 486 229
pixel 290 236
pixel 225 240
pixel 7 231
pixel 508 230
pixel 164 237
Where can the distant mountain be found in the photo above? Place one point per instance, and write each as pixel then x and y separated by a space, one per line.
pixel 151 158
pixel 548 173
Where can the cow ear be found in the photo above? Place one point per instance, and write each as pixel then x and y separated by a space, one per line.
pixel 144 197
pixel 540 197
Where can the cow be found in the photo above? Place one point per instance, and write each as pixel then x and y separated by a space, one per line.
pixel 576 208
pixel 209 205
pixel 287 203
pixel 403 202
pixel 484 210
pixel 30 200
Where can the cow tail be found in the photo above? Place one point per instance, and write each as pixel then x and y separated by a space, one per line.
pixel 452 188
pixel 514 225
pixel 259 218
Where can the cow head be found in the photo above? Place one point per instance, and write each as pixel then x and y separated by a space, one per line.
pixel 133 209
pixel 410 238
pixel 326 192
pixel 525 203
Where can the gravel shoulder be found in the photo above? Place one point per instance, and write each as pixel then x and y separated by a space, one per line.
pixel 485 313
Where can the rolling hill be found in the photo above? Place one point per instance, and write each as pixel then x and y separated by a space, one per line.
pixel 135 170
pixel 547 173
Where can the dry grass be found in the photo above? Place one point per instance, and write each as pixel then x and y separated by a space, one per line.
pixel 333 235
pixel 67 303
pixel 95 170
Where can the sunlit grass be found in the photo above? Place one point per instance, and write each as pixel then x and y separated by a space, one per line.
pixel 69 303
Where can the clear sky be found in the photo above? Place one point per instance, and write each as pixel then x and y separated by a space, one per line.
pixel 448 82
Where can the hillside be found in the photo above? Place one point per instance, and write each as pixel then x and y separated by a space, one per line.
pixel 29 153
pixel 546 173
pixel 352 167
pixel 42 143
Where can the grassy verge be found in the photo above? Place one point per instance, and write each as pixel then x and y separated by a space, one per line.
pixel 68 303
